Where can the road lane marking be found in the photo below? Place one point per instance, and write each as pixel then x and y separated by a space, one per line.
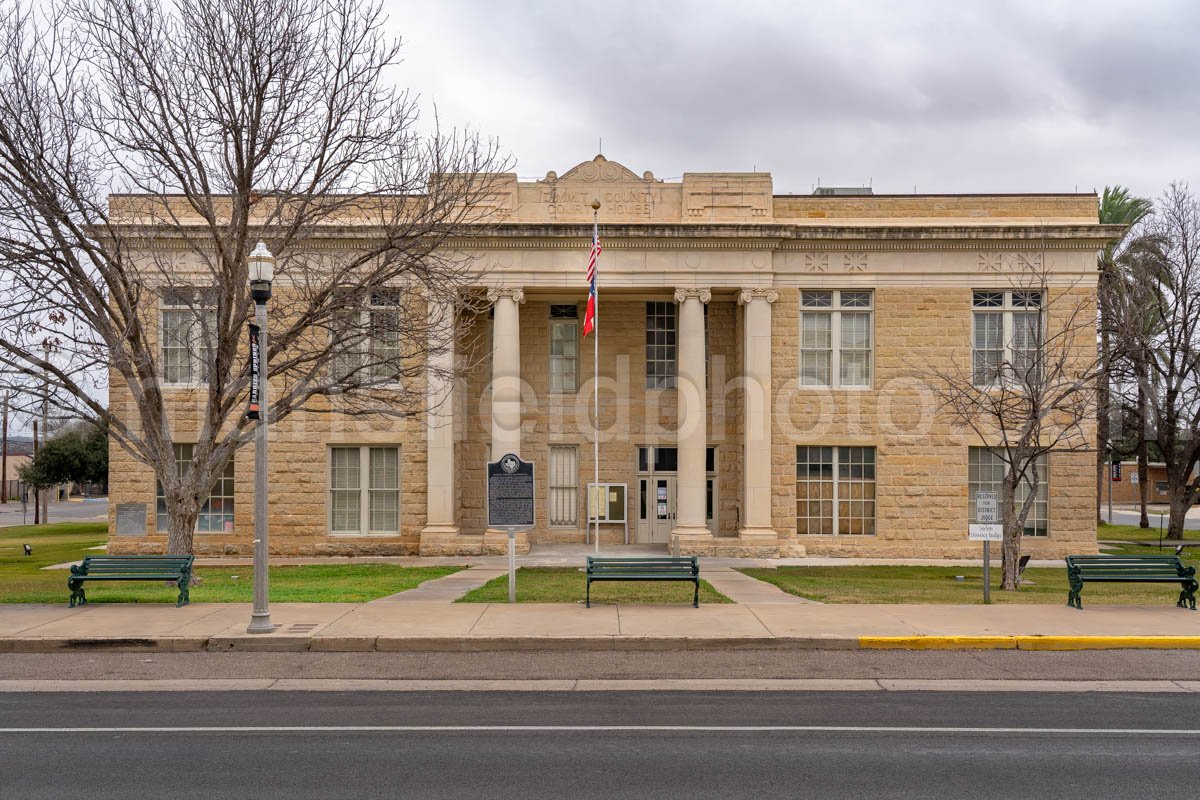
pixel 608 728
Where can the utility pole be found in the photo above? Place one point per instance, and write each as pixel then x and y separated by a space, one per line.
pixel 37 493
pixel 4 452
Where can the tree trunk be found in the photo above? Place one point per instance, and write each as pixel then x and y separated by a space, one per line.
pixel 181 521
pixel 1143 455
pixel 1180 503
pixel 1011 547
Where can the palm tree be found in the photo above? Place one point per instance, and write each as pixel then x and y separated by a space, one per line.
pixel 1117 207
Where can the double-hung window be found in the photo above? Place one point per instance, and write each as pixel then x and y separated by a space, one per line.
pixel 1006 337
pixel 364 490
pixel 564 347
pixel 187 322
pixel 835 338
pixel 216 512
pixel 835 490
pixel 368 342
pixel 383 336
pixel 985 473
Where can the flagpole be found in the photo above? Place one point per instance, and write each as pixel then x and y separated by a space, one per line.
pixel 596 375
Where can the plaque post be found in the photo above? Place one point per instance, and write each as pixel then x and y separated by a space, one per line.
pixel 512 565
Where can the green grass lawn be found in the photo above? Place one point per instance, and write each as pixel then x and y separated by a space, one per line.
pixel 567 585
pixel 22 579
pixel 1132 533
pixel 939 585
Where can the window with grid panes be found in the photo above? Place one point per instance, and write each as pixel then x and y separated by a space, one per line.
pixel 564 347
pixel 835 490
pixel 367 337
pixel 1006 335
pixel 364 490
pixel 216 512
pixel 564 485
pixel 383 342
pixel 835 338
pixel 985 473
pixel 660 345
pixel 187 322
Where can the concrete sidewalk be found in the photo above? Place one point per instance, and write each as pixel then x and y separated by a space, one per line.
pixel 332 627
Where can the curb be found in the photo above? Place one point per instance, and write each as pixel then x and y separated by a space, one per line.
pixel 392 644
pixel 1060 643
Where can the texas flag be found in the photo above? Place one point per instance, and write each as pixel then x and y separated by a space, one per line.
pixel 589 316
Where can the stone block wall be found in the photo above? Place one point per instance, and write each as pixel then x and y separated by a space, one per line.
pixel 921 459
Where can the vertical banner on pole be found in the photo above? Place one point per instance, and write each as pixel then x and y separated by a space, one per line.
pixel 255 370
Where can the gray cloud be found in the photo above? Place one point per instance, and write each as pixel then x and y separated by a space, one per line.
pixel 1025 96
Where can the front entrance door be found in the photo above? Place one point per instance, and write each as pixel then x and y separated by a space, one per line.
pixel 656 509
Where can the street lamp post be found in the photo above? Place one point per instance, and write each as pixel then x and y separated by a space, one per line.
pixel 262 272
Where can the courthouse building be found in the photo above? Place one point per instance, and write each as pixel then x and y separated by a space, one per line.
pixel 762 363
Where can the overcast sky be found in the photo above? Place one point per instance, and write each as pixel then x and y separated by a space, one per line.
pixel 950 96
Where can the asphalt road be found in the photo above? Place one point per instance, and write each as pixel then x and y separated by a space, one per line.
pixel 90 510
pixel 1122 516
pixel 611 745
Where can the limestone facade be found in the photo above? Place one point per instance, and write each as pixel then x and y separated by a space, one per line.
pixel 724 263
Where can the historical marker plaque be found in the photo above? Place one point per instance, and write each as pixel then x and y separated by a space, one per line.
pixel 510 493
pixel 131 519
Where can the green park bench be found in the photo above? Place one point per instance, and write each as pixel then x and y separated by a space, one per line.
pixel 177 569
pixel 1131 569
pixel 685 568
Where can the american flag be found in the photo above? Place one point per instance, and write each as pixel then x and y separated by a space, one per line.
pixel 589 316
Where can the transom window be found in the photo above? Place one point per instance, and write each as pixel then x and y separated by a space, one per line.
pixel 985 473
pixel 835 490
pixel 1006 335
pixel 216 512
pixel 364 490
pixel 564 347
pixel 835 338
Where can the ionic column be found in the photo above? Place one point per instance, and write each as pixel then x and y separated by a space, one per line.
pixel 506 370
pixel 693 415
pixel 756 413
pixel 441 508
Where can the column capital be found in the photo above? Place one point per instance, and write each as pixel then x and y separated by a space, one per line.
pixel 514 293
pixel 746 295
pixel 703 295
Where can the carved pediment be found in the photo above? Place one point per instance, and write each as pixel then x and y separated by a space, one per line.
pixel 599 170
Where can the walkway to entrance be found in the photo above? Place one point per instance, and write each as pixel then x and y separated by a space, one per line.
pixel 737 587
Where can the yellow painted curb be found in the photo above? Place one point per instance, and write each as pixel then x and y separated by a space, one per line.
pixel 1108 642
pixel 937 642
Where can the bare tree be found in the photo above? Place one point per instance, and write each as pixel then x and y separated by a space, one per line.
pixel 1158 311
pixel 1031 394
pixel 146 147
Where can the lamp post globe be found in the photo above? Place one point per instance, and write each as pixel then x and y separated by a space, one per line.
pixel 261 271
